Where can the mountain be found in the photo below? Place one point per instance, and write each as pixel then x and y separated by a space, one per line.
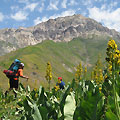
pixel 59 30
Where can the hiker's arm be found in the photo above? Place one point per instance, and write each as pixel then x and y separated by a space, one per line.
pixel 24 77
pixel 21 75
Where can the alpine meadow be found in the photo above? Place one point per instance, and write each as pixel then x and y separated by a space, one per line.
pixel 73 69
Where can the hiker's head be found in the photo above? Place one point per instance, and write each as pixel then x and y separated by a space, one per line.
pixel 59 79
pixel 22 65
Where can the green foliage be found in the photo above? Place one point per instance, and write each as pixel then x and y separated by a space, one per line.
pixel 62 56
pixel 36 105
pixel 80 100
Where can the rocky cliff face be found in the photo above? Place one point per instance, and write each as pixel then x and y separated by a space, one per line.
pixel 60 29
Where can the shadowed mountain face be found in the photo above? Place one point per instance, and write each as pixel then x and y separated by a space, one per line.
pixel 60 29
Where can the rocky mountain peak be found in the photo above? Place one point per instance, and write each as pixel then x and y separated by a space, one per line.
pixel 59 29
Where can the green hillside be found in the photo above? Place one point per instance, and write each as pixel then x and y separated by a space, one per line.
pixel 63 56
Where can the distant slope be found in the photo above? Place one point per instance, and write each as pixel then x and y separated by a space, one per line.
pixel 64 57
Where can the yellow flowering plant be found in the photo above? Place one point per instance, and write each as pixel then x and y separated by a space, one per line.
pixel 57 88
pixel 49 75
pixel 113 60
pixel 78 74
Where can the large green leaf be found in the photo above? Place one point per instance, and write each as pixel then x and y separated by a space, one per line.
pixel 21 87
pixel 44 112
pixel 27 106
pixel 41 96
pixel 28 88
pixel 69 107
pixel 87 110
pixel 110 115
pixel 63 98
pixel 36 113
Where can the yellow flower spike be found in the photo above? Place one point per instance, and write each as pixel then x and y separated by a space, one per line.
pixel 100 89
pixel 76 80
pixel 57 88
pixel 97 74
pixel 119 55
pixel 92 75
pixel 118 62
pixel 35 89
pixel 19 100
pixel 112 44
pixel 79 70
pixel 85 69
pixel 71 89
pixel 100 70
pixel 115 56
pixel 36 95
pixel 59 81
pixel 48 72
pixel 49 75
pixel 117 51
pixel 115 46
pixel 75 74
pixel 110 67
pixel 105 77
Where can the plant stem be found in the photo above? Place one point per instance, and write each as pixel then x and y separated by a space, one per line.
pixel 114 76
pixel 116 103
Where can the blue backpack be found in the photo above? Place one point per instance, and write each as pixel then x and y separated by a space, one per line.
pixel 15 65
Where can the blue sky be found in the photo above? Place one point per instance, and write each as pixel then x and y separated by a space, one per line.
pixel 27 13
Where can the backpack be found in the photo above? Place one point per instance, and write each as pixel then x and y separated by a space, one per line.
pixel 11 72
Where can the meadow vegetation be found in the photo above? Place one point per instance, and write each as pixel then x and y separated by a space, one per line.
pixel 84 98
pixel 64 57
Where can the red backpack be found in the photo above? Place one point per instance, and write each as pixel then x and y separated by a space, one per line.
pixel 11 72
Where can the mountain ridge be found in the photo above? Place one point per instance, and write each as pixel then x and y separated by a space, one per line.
pixel 58 30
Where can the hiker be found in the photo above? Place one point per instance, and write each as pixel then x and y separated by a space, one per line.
pixel 60 83
pixel 14 79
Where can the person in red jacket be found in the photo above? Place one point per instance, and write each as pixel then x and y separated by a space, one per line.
pixel 14 81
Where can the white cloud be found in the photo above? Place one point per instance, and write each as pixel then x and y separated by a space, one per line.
pixel 79 9
pixel 38 20
pixel 31 6
pixel 63 14
pixel 15 8
pixel 104 6
pixel 109 6
pixel 113 4
pixel 1 17
pixel 100 1
pixel 110 19
pixel 87 2
pixel 41 8
pixel 53 5
pixel 64 4
pixel 72 3
pixel 19 16
pixel 23 1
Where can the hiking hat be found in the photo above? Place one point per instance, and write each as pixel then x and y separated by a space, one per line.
pixel 22 64
pixel 60 78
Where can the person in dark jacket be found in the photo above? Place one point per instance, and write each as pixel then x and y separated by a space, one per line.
pixel 60 83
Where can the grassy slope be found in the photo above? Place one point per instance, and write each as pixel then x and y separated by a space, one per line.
pixel 70 54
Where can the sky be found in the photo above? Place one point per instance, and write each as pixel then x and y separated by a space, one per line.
pixel 27 13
